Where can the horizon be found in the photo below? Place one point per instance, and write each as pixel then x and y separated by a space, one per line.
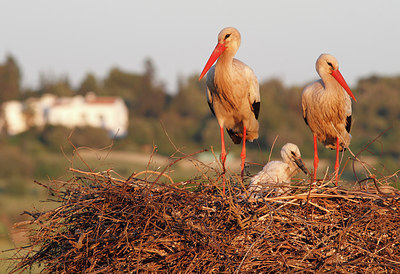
pixel 74 86
pixel 280 40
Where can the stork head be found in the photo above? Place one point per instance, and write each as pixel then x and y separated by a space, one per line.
pixel 228 40
pixel 291 154
pixel 328 65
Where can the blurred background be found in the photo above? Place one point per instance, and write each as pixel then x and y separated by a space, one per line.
pixel 120 79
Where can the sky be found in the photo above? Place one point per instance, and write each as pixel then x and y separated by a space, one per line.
pixel 280 38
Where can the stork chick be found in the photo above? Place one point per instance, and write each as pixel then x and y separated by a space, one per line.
pixel 278 173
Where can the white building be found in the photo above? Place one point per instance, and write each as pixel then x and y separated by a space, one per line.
pixel 39 107
pixel 109 113
pixel 13 118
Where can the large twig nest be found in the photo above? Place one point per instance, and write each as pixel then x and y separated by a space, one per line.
pixel 105 225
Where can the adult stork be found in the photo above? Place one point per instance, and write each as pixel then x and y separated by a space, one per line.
pixel 278 173
pixel 232 93
pixel 327 109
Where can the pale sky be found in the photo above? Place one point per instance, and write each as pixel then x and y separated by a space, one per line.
pixel 279 38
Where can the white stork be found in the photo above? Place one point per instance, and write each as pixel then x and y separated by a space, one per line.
pixel 327 109
pixel 277 173
pixel 232 93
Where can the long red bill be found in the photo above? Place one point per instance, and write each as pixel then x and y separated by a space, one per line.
pixel 219 49
pixel 338 76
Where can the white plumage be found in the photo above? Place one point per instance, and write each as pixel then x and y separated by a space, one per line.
pixel 277 174
pixel 326 107
pixel 232 94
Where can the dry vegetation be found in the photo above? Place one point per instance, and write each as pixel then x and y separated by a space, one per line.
pixel 105 224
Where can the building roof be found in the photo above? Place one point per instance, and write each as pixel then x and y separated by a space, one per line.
pixel 101 100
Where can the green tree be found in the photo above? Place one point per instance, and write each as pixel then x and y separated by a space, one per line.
pixel 376 110
pixel 144 97
pixel 189 111
pixel 151 97
pixel 121 83
pixel 190 101
pixel 10 79
pixel 59 86
pixel 89 83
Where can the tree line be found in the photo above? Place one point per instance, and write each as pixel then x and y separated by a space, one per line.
pixel 159 118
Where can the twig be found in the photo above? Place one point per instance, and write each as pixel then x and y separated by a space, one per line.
pixel 365 148
pixel 174 162
pixel 154 172
pixel 272 148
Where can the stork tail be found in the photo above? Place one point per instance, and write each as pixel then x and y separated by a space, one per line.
pixel 234 136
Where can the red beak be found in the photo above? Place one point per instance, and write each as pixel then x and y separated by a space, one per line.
pixel 338 76
pixel 219 49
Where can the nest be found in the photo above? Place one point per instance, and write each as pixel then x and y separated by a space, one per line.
pixel 108 225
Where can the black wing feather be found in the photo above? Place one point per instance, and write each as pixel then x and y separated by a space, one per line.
pixel 348 125
pixel 211 107
pixel 305 120
pixel 256 109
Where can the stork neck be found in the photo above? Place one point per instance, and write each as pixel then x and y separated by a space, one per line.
pixel 224 70
pixel 223 79
pixel 225 61
pixel 331 85
pixel 287 159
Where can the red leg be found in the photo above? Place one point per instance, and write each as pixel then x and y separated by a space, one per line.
pixel 316 160
pixel 223 158
pixel 337 161
pixel 243 154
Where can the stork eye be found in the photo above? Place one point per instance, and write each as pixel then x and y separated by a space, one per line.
pixel 227 36
pixel 294 154
pixel 330 64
